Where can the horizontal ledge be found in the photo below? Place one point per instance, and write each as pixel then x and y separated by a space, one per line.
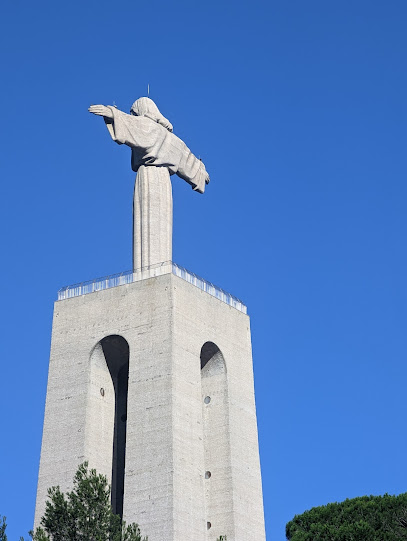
pixel 128 277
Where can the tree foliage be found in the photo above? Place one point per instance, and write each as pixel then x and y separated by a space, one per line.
pixel 3 525
pixel 373 518
pixel 84 514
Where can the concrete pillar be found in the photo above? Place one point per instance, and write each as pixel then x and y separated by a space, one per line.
pixel 152 217
pixel 184 345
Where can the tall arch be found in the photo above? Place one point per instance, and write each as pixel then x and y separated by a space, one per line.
pixel 107 419
pixel 217 459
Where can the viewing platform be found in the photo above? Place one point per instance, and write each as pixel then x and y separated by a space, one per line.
pixel 128 277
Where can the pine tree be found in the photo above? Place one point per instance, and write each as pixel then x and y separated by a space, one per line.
pixel 376 518
pixel 84 514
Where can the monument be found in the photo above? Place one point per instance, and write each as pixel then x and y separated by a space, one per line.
pixel 150 374
pixel 155 154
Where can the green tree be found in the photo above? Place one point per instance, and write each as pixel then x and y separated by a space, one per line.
pixel 373 518
pixel 84 514
pixel 3 526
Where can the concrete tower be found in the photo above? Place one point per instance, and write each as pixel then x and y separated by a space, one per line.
pixel 151 380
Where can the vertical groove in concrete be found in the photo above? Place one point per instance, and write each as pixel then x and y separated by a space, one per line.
pixel 116 352
pixel 136 228
pixel 218 474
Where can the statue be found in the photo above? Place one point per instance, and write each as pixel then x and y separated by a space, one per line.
pixel 156 153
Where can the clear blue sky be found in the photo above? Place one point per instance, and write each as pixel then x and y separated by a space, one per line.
pixel 299 111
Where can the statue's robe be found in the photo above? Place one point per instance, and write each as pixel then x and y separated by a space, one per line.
pixel 153 145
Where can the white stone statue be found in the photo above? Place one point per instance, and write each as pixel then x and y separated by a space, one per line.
pixel 156 153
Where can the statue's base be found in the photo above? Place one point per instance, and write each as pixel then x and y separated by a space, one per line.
pixel 186 424
pixel 152 271
pixel 137 275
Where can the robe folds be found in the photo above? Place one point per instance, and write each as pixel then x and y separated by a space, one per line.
pixel 153 145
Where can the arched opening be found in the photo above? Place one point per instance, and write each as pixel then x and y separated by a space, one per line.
pixel 116 352
pixel 107 413
pixel 215 414
pixel 212 361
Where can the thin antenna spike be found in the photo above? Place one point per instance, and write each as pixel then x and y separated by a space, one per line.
pixel 148 90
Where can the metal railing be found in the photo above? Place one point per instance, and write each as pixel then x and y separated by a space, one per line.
pixel 129 277
pixel 213 290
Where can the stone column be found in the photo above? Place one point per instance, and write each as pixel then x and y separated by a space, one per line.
pixel 152 217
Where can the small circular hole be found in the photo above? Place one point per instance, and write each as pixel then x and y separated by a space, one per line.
pixel 208 475
pixel 102 391
pixel 208 525
pixel 207 399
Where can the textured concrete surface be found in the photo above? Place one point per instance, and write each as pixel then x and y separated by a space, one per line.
pixel 152 217
pixel 174 437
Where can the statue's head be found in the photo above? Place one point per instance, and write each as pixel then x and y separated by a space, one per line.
pixel 146 107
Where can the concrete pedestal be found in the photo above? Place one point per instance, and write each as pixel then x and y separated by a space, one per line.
pixel 190 434
pixel 152 217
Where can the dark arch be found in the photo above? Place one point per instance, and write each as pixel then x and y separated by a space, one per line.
pixel 116 352
pixel 212 361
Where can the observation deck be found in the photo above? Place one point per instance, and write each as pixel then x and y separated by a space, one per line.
pixel 128 277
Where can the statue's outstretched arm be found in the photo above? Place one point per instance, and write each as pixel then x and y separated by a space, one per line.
pixel 101 110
